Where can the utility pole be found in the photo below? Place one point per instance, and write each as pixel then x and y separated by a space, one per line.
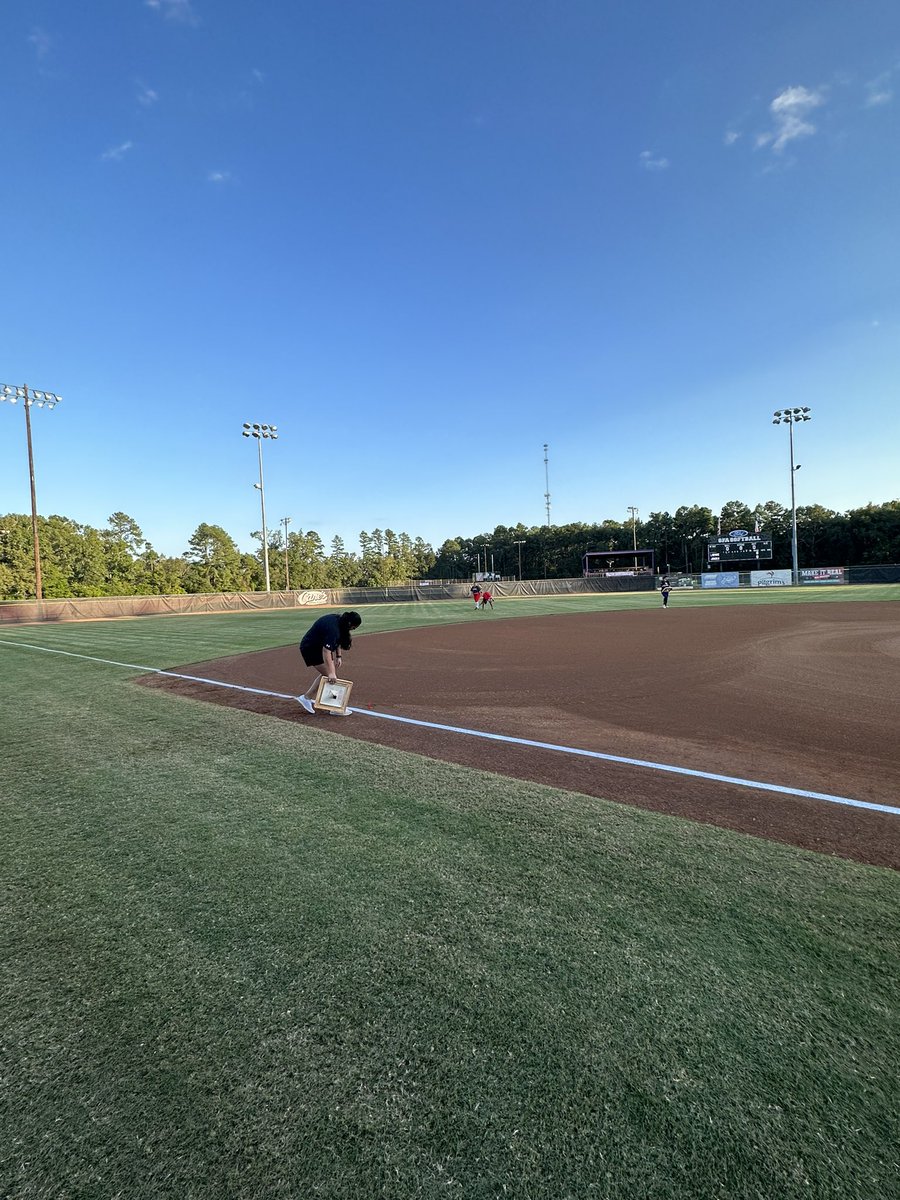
pixel 285 521
pixel 520 544
pixel 634 513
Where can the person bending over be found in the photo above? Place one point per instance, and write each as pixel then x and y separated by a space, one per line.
pixel 322 647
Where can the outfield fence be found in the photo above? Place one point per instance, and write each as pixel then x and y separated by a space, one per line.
pixel 781 577
pixel 99 608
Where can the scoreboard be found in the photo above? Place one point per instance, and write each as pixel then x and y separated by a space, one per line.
pixel 736 549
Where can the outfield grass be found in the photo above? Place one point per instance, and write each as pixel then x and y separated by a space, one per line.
pixel 246 958
pixel 175 640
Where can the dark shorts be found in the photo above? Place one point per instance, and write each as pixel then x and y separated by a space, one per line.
pixel 312 656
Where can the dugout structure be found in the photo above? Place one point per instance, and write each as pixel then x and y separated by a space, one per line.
pixel 618 562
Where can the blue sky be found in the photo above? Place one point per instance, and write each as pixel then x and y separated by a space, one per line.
pixel 426 238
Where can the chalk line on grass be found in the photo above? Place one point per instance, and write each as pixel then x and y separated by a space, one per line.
pixel 646 764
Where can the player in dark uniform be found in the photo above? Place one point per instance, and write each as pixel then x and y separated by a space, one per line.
pixel 322 647
pixel 664 592
pixel 475 589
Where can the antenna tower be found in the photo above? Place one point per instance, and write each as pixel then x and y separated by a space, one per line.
pixel 547 485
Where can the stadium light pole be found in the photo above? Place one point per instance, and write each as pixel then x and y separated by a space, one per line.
pixel 42 400
pixel 261 432
pixel 285 521
pixel 634 513
pixel 520 544
pixel 792 417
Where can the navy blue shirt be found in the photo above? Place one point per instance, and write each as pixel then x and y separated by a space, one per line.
pixel 325 634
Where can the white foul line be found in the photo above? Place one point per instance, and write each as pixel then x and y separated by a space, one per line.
pixel 494 737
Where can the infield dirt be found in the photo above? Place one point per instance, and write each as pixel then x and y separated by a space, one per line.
pixel 802 696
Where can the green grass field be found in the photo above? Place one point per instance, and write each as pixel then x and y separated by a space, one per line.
pixel 246 958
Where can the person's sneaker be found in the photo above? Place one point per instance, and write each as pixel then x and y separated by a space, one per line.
pixel 346 713
pixel 305 702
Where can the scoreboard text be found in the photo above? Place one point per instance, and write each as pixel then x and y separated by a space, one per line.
pixel 731 549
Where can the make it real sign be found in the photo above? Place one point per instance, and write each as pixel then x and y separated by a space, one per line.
pixel 780 578
pixel 822 575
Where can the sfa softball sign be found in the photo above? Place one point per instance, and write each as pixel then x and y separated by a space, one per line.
pixel 739 545
pixel 720 579
pixel 770 578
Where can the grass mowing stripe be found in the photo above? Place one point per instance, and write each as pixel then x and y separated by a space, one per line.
pixel 781 789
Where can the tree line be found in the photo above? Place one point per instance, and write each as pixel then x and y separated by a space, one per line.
pixel 825 538
pixel 79 560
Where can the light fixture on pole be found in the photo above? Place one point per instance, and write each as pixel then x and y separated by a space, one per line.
pixel 792 417
pixel 285 521
pixel 260 432
pixel 634 513
pixel 520 544
pixel 42 400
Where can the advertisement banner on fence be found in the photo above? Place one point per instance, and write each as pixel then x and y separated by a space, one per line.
pixel 822 575
pixel 780 578
pixel 720 579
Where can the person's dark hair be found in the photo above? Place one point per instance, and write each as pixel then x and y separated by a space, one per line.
pixel 346 622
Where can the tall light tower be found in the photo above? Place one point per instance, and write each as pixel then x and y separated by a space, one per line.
pixel 42 400
pixel 285 521
pixel 792 417
pixel 260 432
pixel 634 513
pixel 520 543
pixel 547 484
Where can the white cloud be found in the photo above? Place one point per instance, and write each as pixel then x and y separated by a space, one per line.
pixel 146 95
pixel 790 110
pixel 875 98
pixel 219 177
pixel 731 137
pixel 174 10
pixel 880 90
pixel 39 40
pixel 115 153
pixel 794 100
pixel 653 162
